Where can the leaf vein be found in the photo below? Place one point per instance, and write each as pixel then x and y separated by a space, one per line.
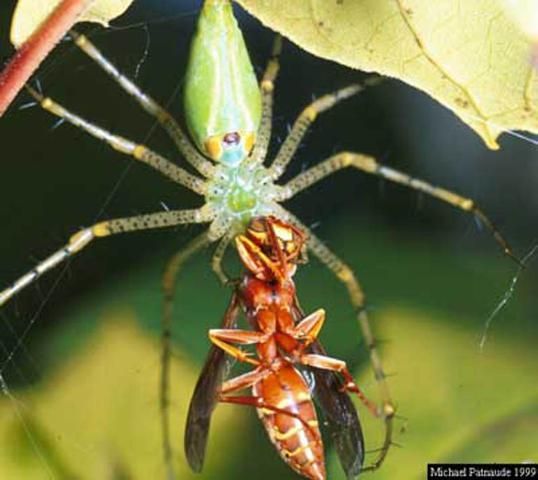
pixel 444 73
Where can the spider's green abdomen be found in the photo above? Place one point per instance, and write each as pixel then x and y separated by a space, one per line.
pixel 222 97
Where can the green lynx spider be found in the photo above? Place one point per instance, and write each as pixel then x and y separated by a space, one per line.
pixel 231 127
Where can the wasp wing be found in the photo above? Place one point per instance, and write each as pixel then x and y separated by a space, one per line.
pixel 204 397
pixel 338 411
pixel 340 416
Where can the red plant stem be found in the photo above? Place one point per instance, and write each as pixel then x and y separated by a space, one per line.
pixel 34 50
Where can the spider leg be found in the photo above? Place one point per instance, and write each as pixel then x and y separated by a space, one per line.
pixel 123 145
pixel 169 285
pixel 218 255
pixel 370 165
pixel 198 161
pixel 306 118
pixel 84 237
pixel 267 86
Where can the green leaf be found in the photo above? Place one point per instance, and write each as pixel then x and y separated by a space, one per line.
pixel 470 56
pixel 460 403
pixel 29 15
pixel 97 417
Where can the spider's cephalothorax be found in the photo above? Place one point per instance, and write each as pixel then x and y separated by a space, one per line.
pixel 238 194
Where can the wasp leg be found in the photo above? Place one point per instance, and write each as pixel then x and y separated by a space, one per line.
pixel 328 363
pixel 221 337
pixel 258 402
pixel 309 327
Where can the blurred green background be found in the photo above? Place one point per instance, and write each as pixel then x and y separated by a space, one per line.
pixel 84 381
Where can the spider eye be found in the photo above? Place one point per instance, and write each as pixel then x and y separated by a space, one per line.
pixel 231 139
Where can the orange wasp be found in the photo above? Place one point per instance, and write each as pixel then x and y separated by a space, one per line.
pixel 284 339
